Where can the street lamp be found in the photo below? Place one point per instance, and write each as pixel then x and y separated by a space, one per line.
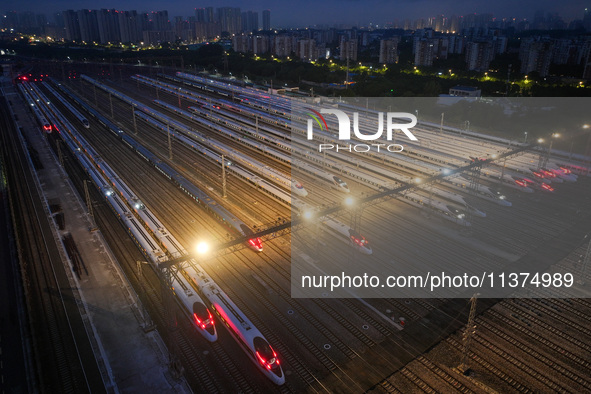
pixel 587 151
pixel 544 160
pixel 349 201
pixel 308 214
pixel 202 248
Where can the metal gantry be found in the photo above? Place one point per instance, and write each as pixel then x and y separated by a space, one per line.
pixel 224 195
pixel 93 226
pixel 365 202
pixel 469 331
pixel 585 261
pixel 166 273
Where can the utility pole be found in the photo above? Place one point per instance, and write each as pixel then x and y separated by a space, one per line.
pixel 585 263
pixel 347 74
pixel 148 323
pixel 224 177
pixel 59 153
pixel 134 120
pixel 89 205
pixel 467 335
pixel 508 78
pixel 111 103
pixel 169 142
pixel 430 199
pixel 588 153
pixel 88 201
pixel 166 277
pixel 503 170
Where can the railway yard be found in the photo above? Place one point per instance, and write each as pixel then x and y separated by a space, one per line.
pixel 176 160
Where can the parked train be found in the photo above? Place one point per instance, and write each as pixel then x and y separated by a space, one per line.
pixel 69 106
pixel 380 184
pixel 271 190
pixel 192 303
pixel 219 212
pixel 242 330
pixel 254 165
pixel 250 339
pixel 347 234
pixel 39 116
pixel 333 180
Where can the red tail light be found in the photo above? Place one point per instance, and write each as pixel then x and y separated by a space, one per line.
pixel 256 243
pixel 547 187
pixel 268 364
pixel 360 241
pixel 205 323
pixel 521 183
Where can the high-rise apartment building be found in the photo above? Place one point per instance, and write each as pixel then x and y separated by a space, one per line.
pixel 267 20
pixel 389 51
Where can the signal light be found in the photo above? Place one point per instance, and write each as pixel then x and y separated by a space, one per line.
pixel 520 183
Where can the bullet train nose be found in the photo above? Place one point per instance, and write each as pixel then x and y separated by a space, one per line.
pixel 344 188
pixel 298 189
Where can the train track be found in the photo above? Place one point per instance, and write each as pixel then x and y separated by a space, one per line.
pixel 276 279
pixel 514 383
pixel 537 356
pixel 43 276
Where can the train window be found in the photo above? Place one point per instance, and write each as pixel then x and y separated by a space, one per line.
pixel 339 181
pixel 200 310
pixel 263 348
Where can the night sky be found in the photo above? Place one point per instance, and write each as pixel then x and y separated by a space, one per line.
pixel 302 13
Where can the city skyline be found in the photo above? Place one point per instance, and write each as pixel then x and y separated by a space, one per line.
pixel 331 12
